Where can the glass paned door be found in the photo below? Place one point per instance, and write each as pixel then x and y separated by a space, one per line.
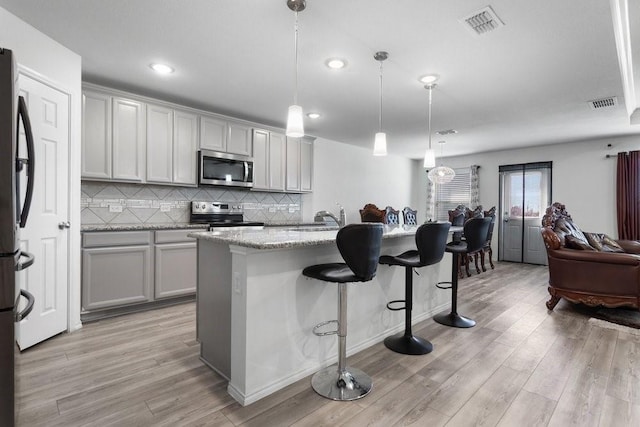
pixel 525 192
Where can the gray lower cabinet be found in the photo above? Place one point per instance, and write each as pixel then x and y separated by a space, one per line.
pixel 175 264
pixel 122 268
pixel 116 269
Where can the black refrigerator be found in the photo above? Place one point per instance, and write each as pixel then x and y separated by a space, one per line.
pixel 13 216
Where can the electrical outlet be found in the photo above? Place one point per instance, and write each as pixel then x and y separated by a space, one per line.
pixel 272 210
pixel 165 208
pixel 115 208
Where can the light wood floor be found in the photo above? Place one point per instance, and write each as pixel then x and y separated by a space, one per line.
pixel 520 366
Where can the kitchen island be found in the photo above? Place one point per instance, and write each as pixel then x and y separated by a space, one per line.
pixel 256 311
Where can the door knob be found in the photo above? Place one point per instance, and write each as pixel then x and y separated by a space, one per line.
pixel 64 225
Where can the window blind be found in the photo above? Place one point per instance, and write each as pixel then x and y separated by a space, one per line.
pixel 452 194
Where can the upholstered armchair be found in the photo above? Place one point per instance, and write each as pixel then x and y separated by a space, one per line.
pixel 371 213
pixel 589 268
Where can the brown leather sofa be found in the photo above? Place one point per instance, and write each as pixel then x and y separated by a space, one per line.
pixel 589 268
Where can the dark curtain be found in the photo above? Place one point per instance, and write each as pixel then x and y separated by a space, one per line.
pixel 628 195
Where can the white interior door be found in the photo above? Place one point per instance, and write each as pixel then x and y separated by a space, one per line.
pixel 45 234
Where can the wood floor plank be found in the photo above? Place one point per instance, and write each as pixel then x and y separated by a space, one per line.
pixel 521 365
pixel 616 412
pixel 528 410
pixel 624 381
pixel 492 399
pixel 459 387
pixel 582 398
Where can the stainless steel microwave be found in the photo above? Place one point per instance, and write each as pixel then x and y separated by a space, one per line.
pixel 216 168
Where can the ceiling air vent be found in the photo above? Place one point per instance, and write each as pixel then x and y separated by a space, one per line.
pixel 482 21
pixel 446 132
pixel 597 104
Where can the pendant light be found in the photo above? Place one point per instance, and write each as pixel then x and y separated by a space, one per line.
pixel 295 125
pixel 442 174
pixel 430 154
pixel 380 141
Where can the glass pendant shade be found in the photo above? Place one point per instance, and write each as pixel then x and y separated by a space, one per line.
pixel 430 159
pixel 380 144
pixel 295 125
pixel 441 175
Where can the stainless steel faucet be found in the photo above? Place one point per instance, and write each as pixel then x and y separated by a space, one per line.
pixel 321 215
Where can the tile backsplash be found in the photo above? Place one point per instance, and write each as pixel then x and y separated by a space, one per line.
pixel 120 203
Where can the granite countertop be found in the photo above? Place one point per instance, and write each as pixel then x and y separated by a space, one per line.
pixel 140 227
pixel 279 237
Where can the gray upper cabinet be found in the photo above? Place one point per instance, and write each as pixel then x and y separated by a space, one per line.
pixel 268 160
pixel 129 141
pixel 239 141
pixel 159 144
pixel 306 164
pixel 185 147
pixel 218 134
pixel 113 137
pixel 139 139
pixel 96 135
pixel 299 164
pixel 260 159
pixel 172 143
pixel 213 133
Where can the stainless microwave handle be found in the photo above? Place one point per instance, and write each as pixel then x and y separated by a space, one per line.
pixel 246 171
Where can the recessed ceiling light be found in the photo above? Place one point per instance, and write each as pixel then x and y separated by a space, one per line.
pixel 336 63
pixel 161 68
pixel 313 115
pixel 429 78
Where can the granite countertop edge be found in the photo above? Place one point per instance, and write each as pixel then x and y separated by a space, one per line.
pixel 283 239
pixel 140 227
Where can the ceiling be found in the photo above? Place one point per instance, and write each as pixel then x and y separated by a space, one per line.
pixel 526 83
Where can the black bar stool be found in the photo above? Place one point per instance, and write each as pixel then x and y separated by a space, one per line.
pixel 359 245
pixel 431 239
pixel 475 233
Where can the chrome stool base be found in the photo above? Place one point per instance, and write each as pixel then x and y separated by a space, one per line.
pixel 350 384
pixel 455 320
pixel 408 344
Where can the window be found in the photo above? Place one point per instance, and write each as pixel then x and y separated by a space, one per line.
pixel 463 190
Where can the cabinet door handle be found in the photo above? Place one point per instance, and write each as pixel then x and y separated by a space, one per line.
pixel 64 224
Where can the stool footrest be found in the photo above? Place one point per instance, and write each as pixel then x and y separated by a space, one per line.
pixel 397 301
pixel 322 324
pixel 439 285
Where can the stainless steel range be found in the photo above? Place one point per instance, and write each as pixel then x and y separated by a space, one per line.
pixel 221 216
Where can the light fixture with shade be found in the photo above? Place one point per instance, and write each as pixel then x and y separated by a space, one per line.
pixel 380 141
pixel 295 124
pixel 441 174
pixel 430 155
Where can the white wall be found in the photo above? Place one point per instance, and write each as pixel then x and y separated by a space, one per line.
pixel 354 177
pixel 55 63
pixel 583 179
